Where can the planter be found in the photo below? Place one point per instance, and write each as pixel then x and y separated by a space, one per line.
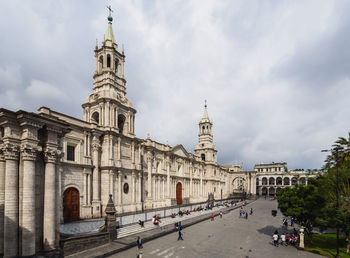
pixel 274 213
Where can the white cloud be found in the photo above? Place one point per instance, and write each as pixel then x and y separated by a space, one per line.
pixel 43 90
pixel 257 63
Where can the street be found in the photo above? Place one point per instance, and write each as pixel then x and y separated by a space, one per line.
pixel 230 236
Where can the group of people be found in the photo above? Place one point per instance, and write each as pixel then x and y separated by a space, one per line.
pixel 285 238
pixel 244 214
pixel 156 220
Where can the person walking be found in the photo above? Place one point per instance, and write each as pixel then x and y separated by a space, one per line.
pixel 251 211
pixel 275 239
pixel 221 214
pixel 180 236
pixel 246 215
pixel 139 243
pixel 283 239
pixel 212 217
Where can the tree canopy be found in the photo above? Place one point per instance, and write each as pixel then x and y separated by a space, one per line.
pixel 325 200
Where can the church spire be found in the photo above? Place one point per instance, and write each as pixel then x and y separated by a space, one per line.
pixel 205 118
pixel 109 40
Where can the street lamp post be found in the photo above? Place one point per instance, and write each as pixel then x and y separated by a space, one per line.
pixel 336 150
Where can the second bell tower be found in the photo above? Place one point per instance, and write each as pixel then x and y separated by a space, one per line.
pixel 205 147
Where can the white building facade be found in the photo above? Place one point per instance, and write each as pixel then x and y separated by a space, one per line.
pixel 271 177
pixel 55 168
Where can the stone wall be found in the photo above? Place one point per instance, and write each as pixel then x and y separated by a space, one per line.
pixel 80 243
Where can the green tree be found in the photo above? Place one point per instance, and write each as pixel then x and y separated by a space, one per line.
pixel 304 203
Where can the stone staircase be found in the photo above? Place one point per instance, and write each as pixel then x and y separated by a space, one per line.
pixel 148 225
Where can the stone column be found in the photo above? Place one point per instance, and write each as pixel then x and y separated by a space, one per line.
pixel 149 167
pixel 2 199
pixel 191 190
pixel 101 116
pixel 96 200
pixel 133 154
pixel 154 194
pixel 89 189
pixel 107 114
pixel 133 187
pixel 119 188
pixel 119 152
pixel 201 186
pixel 50 193
pixel 85 186
pixel 168 178
pixel 163 188
pixel 140 188
pixel 28 201
pixel 11 202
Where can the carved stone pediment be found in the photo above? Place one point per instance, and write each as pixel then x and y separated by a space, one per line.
pixel 179 150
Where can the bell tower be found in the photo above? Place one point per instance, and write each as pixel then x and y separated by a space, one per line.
pixel 205 147
pixel 107 106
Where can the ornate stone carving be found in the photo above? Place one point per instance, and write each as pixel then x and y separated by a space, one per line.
pixel 11 151
pixel 29 152
pixel 52 155
pixel 2 155
pixel 95 144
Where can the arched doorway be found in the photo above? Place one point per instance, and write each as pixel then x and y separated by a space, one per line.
pixel 178 194
pixel 71 204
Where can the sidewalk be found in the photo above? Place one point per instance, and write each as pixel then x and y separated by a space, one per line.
pixel 166 227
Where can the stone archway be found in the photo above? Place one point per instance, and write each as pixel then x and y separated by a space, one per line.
pixel 179 193
pixel 71 204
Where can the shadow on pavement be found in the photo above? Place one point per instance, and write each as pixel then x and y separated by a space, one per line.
pixel 269 230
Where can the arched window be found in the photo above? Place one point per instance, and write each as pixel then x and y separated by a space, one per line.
pixel 108 60
pixel 286 181
pixel 95 118
pixel 294 181
pixel 257 181
pixel 271 181
pixel 100 63
pixel 264 181
pixel 2 132
pixel 279 181
pixel 203 156
pixel 121 121
pixel 203 129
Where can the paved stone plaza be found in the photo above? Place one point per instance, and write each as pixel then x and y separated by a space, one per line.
pixel 230 236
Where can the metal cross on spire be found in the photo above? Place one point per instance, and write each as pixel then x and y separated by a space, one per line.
pixel 110 10
pixel 205 103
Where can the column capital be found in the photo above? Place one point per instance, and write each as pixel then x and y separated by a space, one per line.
pixel 2 155
pixel 11 151
pixel 95 144
pixel 52 155
pixel 29 152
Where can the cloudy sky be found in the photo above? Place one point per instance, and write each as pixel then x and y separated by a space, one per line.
pixel 275 73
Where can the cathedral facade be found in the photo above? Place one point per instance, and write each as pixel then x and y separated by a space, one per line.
pixel 55 168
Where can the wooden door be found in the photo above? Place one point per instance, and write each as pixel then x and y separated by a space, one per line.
pixel 71 204
pixel 178 194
